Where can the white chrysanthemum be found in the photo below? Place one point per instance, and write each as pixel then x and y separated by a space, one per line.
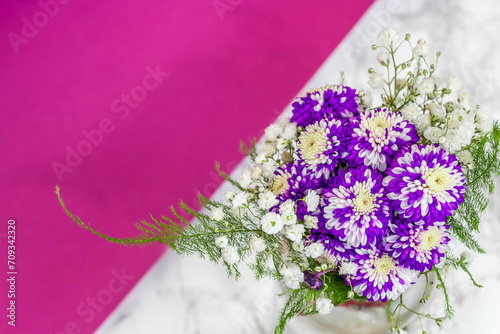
pixel 422 122
pixel 221 241
pixel 411 112
pixel 348 268
pixel 324 306
pixel 295 232
pixel 376 80
pixel 293 276
pixel 453 83
pixel 272 132
pixel 290 131
pixel 421 49
pixel 384 58
pixel 230 255
pixel 311 221
pixel 426 86
pixel 245 179
pixel 217 214
pixel 257 244
pixel 240 200
pixel 314 250
pixel 433 134
pixel 436 111
pixel 312 200
pixel 267 200
pixel 388 36
pixel 272 223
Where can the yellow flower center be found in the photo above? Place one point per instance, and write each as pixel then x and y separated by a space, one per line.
pixel 280 184
pixel 378 124
pixel 313 142
pixel 364 202
pixel 429 239
pixel 384 265
pixel 438 180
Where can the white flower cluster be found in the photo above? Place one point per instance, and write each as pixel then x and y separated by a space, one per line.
pixel 229 253
pixel 348 268
pixel 279 137
pixel 441 112
pixel 292 276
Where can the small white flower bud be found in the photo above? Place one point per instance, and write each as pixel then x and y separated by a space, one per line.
pixel 384 58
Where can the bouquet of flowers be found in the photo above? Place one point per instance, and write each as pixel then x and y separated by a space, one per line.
pixel 353 197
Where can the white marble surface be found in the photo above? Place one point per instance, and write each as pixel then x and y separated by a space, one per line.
pixel 189 295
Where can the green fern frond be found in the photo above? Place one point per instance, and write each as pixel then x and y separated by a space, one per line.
pixel 300 302
pixel 460 264
pixel 227 177
pixel 464 222
pixel 448 309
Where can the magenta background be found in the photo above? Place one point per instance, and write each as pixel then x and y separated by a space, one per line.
pixel 227 80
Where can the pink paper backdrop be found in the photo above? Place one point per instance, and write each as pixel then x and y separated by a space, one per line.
pixel 163 89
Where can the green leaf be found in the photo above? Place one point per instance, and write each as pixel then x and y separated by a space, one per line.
pixel 336 288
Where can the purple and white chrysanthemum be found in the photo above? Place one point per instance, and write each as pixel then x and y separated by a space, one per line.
pixel 376 136
pixel 325 103
pixel 425 183
pixel 357 209
pixel 321 145
pixel 292 181
pixel 418 246
pixel 379 277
